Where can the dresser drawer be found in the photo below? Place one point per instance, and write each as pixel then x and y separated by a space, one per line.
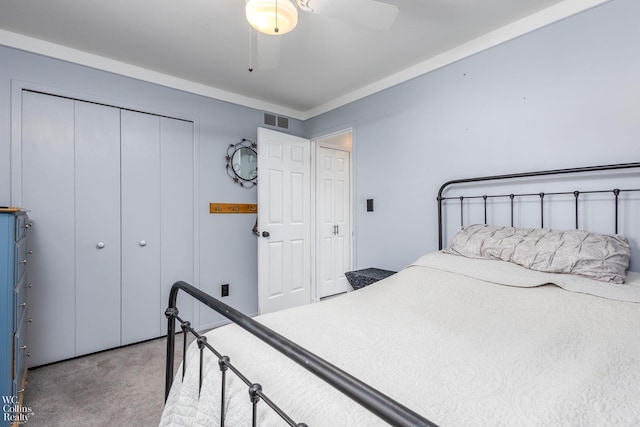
pixel 20 301
pixel 21 259
pixel 22 225
pixel 20 354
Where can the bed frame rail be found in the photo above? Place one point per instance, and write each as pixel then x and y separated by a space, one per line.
pixel 379 404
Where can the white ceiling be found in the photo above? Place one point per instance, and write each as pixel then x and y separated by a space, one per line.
pixel 202 46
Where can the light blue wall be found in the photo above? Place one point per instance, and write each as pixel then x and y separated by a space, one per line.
pixel 563 96
pixel 228 250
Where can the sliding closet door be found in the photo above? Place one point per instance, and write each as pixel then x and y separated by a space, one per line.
pixel 140 174
pixel 48 192
pixel 97 221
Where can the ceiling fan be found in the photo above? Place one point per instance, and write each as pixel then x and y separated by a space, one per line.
pixel 273 18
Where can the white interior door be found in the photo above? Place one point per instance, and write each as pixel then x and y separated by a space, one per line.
pixel 333 220
pixel 284 221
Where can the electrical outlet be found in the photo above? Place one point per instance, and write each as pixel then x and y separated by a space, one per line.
pixel 225 290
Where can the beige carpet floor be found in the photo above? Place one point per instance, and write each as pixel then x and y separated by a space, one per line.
pixel 120 387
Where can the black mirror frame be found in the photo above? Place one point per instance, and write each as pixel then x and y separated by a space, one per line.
pixel 231 150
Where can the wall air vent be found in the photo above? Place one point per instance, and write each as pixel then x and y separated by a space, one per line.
pixel 276 121
pixel 283 122
pixel 269 119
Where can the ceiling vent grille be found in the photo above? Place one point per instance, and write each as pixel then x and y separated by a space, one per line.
pixel 276 121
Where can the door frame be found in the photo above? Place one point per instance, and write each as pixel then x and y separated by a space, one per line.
pixel 343 139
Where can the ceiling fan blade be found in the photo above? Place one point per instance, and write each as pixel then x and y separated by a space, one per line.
pixel 364 13
pixel 267 51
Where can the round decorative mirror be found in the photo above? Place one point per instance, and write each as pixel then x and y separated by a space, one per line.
pixel 242 163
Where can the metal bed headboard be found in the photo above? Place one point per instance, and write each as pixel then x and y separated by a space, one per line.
pixel 512 196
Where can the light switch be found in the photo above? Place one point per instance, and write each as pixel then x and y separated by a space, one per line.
pixel 369 205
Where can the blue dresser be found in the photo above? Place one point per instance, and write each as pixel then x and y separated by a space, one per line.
pixel 14 254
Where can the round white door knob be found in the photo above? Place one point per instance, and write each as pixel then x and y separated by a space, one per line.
pixel 100 245
pixel 142 243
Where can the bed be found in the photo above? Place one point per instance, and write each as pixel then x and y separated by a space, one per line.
pixel 459 337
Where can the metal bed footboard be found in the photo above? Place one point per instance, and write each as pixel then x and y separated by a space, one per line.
pixel 379 404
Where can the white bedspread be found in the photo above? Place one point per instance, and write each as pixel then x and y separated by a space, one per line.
pixel 457 350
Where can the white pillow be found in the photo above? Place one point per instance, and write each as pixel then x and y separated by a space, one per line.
pixel 603 257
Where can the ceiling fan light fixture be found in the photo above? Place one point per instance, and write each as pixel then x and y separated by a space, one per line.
pixel 273 17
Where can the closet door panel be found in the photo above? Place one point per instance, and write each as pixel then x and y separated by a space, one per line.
pixel 140 196
pixel 177 224
pixel 97 212
pixel 333 221
pixel 342 217
pixel 48 191
pixel 325 222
